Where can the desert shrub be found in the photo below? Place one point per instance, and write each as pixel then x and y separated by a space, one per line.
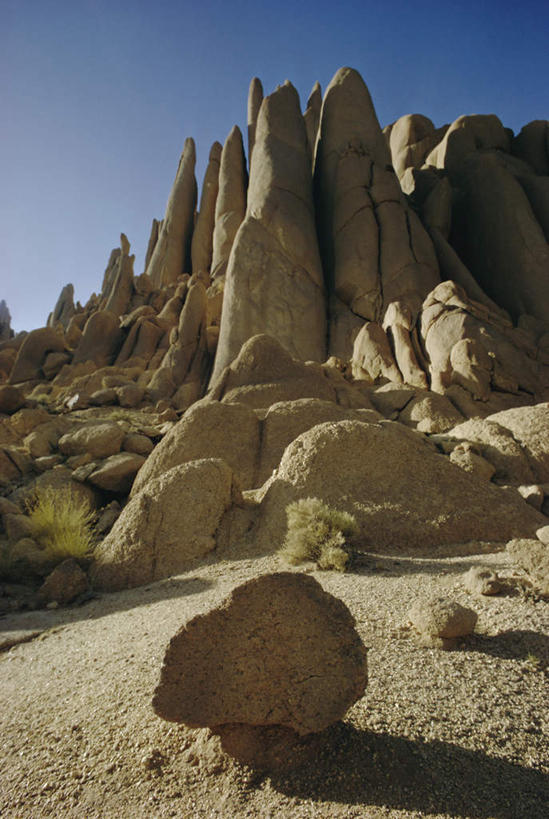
pixel 318 532
pixel 61 522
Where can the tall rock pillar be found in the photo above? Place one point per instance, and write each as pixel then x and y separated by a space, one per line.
pixel 274 282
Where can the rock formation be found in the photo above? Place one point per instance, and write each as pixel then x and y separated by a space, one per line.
pixel 171 254
pixel 274 279
pixel 365 322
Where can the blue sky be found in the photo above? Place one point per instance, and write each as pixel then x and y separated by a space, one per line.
pixel 97 98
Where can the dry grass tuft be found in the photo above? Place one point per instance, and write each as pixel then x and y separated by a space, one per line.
pixel 318 532
pixel 61 523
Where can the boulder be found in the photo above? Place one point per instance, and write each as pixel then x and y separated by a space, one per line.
pixel 274 280
pixel 65 583
pixel 117 472
pixel 208 430
pixel 532 145
pixel 278 651
pixel 440 621
pixel 33 352
pixel 286 420
pixel 99 440
pixel 11 399
pixel 118 297
pixel 172 521
pixel 138 443
pixel 404 495
pixel 171 255
pixel 430 413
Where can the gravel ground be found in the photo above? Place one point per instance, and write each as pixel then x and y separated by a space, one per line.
pixel 437 734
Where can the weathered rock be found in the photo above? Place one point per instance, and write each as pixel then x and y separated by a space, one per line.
pixel 169 523
pixel 27 559
pixel 464 137
pixel 529 427
pixel 117 472
pixel 533 557
pixel 430 413
pixel 32 354
pixel 403 494
pixel 480 580
pixel 99 440
pixel 372 356
pixel 230 206
pixel 543 534
pixel 64 584
pixel 255 98
pixel 312 118
pixel 497 445
pixel 533 494
pixel 274 280
pixel 412 137
pixel 104 397
pixel 117 299
pixel 532 145
pixel 278 651
pixel 171 255
pixel 264 373
pixel 439 621
pixel 130 395
pixel 202 241
pixel 208 430
pixel 64 309
pixel 101 339
pixel 5 322
pixel 11 399
pixel 138 443
pixel 107 518
pixel 17 526
pixel 498 237
pixel 465 456
pixel 59 479
pixel 286 420
pixel 375 250
pixel 54 363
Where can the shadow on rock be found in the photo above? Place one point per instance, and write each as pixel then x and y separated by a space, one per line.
pixel 361 768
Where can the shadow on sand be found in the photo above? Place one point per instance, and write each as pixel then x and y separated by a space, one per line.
pixel 99 605
pixel 360 768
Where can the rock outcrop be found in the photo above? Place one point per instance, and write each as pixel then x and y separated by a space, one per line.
pixel 202 241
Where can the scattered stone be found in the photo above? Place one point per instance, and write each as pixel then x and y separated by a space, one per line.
pixel 117 472
pixel 98 440
pixel 280 651
pixel 64 584
pixel 480 580
pixel 440 621
pixel 11 399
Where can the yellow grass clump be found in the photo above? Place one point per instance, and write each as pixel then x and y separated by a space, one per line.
pixel 318 532
pixel 61 522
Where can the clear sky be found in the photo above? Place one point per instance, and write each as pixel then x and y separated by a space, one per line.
pixel 97 97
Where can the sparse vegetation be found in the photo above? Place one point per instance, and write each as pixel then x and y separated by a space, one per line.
pixel 61 522
pixel 318 532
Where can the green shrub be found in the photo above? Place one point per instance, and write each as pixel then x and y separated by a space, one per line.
pixel 61 522
pixel 318 532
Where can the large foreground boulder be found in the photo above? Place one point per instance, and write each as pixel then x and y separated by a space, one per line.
pixel 404 495
pixel 279 651
pixel 173 520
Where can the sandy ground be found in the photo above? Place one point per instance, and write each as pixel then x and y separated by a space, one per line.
pixel 437 734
